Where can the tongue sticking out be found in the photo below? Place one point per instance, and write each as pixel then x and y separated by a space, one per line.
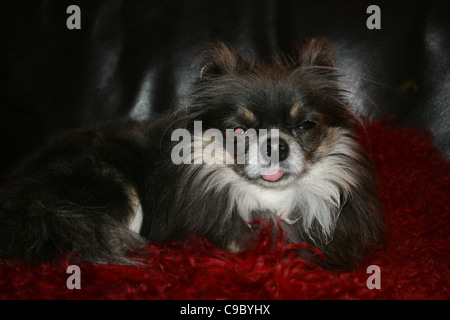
pixel 274 176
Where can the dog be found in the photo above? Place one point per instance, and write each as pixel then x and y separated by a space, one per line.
pixel 102 193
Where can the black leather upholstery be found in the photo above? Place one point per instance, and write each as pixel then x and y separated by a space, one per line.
pixel 137 58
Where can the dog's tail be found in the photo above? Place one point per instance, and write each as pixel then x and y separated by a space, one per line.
pixel 37 229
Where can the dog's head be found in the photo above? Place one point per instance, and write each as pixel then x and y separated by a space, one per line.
pixel 275 139
pixel 288 112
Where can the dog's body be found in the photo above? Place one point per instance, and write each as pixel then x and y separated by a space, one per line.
pixel 103 192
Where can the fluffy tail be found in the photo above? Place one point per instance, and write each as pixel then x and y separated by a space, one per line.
pixel 82 212
pixel 42 231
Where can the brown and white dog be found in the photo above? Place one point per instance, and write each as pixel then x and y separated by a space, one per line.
pixel 102 192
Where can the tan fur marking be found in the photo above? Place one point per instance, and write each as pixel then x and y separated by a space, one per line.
pixel 247 114
pixel 295 110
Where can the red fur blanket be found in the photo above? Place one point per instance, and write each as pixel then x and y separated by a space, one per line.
pixel 414 263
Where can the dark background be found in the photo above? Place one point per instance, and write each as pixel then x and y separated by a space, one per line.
pixel 137 58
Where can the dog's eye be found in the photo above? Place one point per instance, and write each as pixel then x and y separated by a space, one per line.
pixel 306 125
pixel 239 130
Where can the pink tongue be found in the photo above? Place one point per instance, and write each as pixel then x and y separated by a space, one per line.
pixel 274 176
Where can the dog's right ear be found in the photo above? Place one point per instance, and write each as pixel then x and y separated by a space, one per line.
pixel 317 52
pixel 219 59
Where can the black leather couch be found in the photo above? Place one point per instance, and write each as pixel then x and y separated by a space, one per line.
pixel 136 58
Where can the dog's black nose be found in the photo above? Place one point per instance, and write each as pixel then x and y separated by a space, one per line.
pixel 283 149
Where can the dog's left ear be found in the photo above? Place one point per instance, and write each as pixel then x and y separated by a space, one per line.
pixel 219 59
pixel 317 52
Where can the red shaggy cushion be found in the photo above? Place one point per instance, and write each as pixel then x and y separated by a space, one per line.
pixel 414 187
